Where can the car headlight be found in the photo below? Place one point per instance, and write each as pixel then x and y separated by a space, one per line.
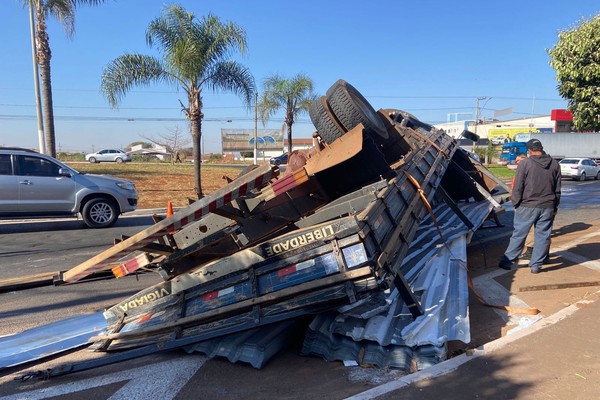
pixel 126 186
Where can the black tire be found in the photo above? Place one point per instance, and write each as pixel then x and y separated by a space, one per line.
pixel 119 160
pixel 582 176
pixel 351 109
pixel 92 160
pixel 597 176
pixel 100 213
pixel 325 122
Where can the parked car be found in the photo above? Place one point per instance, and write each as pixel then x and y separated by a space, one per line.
pixel 108 155
pixel 579 168
pixel 35 184
pixel 281 159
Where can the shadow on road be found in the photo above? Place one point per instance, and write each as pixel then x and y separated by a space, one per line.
pixel 67 225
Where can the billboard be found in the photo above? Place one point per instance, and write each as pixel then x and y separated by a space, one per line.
pixel 242 140
pixel 508 134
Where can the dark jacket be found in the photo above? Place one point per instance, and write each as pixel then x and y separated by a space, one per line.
pixel 537 183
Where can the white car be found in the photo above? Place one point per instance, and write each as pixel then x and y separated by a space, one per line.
pixel 109 155
pixel 497 140
pixel 579 168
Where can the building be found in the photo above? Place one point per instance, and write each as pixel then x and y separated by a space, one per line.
pixel 488 129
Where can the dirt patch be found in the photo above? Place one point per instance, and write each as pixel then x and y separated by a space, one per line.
pixel 159 183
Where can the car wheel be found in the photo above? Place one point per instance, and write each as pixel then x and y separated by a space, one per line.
pixel 277 162
pixel 119 160
pixel 597 176
pixel 100 213
pixel 92 160
pixel 351 109
pixel 582 176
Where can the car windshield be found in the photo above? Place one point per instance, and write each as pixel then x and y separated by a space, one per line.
pixel 569 161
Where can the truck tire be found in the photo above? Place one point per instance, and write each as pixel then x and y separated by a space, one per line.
pixel 411 120
pixel 325 122
pixel 351 109
pixel 100 212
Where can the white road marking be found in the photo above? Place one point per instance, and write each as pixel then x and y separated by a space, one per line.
pixel 162 381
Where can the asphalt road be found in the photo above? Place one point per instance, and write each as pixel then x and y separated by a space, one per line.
pixel 48 246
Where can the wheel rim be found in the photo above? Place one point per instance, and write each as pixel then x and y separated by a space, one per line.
pixel 101 213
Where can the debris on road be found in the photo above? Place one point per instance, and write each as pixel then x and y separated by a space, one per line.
pixel 366 231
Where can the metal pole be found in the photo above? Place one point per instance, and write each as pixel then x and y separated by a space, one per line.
pixel 255 127
pixel 36 82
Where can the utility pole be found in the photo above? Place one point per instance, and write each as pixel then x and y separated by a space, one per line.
pixel 477 112
pixel 255 127
pixel 477 116
pixel 36 82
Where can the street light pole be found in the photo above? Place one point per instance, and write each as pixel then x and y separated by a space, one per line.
pixel 255 128
pixel 36 82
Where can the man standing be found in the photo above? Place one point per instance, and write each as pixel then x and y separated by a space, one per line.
pixel 535 196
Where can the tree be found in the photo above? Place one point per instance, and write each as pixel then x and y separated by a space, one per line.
pixel 174 142
pixel 195 54
pixel 64 12
pixel 576 60
pixel 293 95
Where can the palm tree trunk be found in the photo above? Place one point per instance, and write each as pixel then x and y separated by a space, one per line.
pixel 289 134
pixel 44 55
pixel 196 129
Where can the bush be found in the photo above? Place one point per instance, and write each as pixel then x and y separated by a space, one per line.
pixel 62 156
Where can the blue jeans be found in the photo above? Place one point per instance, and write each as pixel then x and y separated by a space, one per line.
pixel 525 217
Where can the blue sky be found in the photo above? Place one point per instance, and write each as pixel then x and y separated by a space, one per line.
pixel 431 58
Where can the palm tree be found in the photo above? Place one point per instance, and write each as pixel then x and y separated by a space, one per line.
pixel 293 95
pixel 194 56
pixel 64 12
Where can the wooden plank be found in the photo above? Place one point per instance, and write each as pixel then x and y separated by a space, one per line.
pixel 552 286
pixel 240 187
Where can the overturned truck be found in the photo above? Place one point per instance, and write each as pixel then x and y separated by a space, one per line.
pixel 329 234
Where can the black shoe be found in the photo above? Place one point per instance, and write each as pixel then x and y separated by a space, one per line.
pixel 505 265
pixel 546 260
pixel 527 253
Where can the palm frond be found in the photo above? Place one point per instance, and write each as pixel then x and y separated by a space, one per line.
pixel 232 77
pixel 129 70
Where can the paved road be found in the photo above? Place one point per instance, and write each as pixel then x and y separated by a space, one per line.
pixel 48 246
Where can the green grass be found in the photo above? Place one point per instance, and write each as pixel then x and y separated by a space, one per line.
pixel 502 172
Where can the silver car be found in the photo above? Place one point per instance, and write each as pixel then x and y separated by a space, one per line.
pixel 579 168
pixel 108 155
pixel 34 184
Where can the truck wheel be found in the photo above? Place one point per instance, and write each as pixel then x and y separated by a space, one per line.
pixel 100 213
pixel 351 109
pixel 411 120
pixel 582 176
pixel 92 160
pixel 325 122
